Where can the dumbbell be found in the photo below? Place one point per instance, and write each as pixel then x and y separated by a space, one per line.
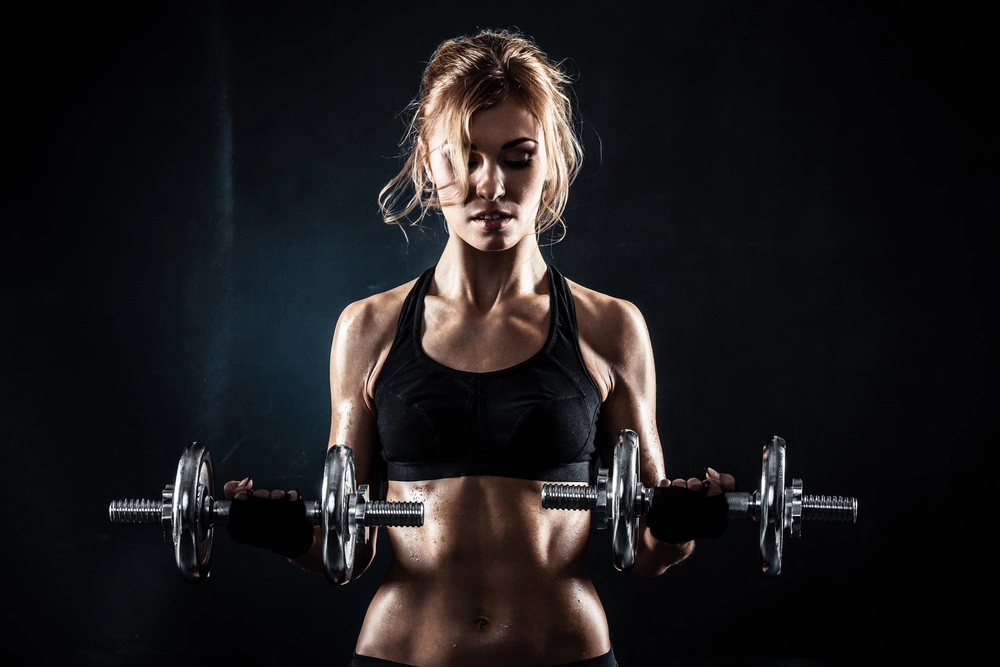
pixel 189 512
pixel 620 499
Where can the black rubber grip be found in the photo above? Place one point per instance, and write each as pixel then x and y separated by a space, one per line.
pixel 278 524
pixel 679 515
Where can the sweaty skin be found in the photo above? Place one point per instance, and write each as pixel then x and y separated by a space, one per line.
pixel 491 578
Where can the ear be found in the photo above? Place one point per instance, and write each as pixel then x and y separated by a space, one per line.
pixel 421 156
pixel 425 164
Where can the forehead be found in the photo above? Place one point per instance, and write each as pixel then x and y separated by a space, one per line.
pixel 501 123
pixel 494 126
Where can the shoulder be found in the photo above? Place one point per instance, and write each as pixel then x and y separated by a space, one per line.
pixel 365 328
pixel 376 313
pixel 613 326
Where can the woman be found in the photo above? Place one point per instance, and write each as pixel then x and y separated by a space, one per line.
pixel 485 377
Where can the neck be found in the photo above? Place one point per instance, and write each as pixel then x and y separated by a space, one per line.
pixel 484 278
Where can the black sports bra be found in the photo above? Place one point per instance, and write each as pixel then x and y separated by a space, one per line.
pixel 535 420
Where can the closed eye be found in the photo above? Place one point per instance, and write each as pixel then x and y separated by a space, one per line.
pixel 520 164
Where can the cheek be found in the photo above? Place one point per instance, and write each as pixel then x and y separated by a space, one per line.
pixel 538 175
pixel 531 185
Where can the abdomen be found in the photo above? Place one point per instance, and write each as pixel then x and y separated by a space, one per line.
pixel 490 578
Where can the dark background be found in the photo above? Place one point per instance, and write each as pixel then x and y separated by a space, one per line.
pixel 799 196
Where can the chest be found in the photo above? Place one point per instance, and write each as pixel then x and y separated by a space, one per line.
pixel 504 394
pixel 481 342
pixel 535 420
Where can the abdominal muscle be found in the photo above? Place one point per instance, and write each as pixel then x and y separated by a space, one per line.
pixel 489 579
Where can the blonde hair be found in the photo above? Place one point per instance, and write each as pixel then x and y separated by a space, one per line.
pixel 467 74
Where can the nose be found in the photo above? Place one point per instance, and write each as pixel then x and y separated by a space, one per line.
pixel 489 182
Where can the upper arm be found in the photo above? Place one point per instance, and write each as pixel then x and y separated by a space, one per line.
pixel 357 350
pixel 625 347
pixel 614 335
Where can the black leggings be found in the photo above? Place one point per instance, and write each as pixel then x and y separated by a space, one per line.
pixel 606 660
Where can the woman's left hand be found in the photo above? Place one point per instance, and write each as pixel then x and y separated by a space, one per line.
pixel 687 509
pixel 717 482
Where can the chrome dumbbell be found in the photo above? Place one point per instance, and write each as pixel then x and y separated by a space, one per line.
pixel 619 499
pixel 189 512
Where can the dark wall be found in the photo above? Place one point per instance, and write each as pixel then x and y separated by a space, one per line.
pixel 799 197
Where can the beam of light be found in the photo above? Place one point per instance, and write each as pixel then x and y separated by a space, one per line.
pixel 211 293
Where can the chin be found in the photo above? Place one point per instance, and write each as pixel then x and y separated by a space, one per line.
pixel 508 239
pixel 494 245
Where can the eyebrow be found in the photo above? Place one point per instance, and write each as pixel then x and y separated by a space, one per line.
pixel 510 144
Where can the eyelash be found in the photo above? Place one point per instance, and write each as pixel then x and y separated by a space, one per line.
pixel 512 164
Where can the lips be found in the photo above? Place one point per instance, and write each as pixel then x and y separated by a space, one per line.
pixel 492 220
pixel 491 214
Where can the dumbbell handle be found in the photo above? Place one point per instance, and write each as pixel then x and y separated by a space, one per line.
pixel 741 505
pixel 375 512
pixel 814 508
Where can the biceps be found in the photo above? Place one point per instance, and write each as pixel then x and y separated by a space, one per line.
pixel 354 424
pixel 625 410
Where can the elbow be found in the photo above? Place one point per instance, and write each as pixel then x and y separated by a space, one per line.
pixel 364 555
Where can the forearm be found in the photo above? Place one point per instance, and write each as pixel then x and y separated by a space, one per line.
pixel 654 557
pixel 312 560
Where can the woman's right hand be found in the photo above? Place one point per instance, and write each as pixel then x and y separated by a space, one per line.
pixel 234 490
pixel 273 520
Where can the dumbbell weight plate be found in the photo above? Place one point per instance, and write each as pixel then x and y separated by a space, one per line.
pixel 772 506
pixel 622 500
pixel 194 487
pixel 336 534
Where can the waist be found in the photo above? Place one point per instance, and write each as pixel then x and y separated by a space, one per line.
pixel 525 621
pixel 491 578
